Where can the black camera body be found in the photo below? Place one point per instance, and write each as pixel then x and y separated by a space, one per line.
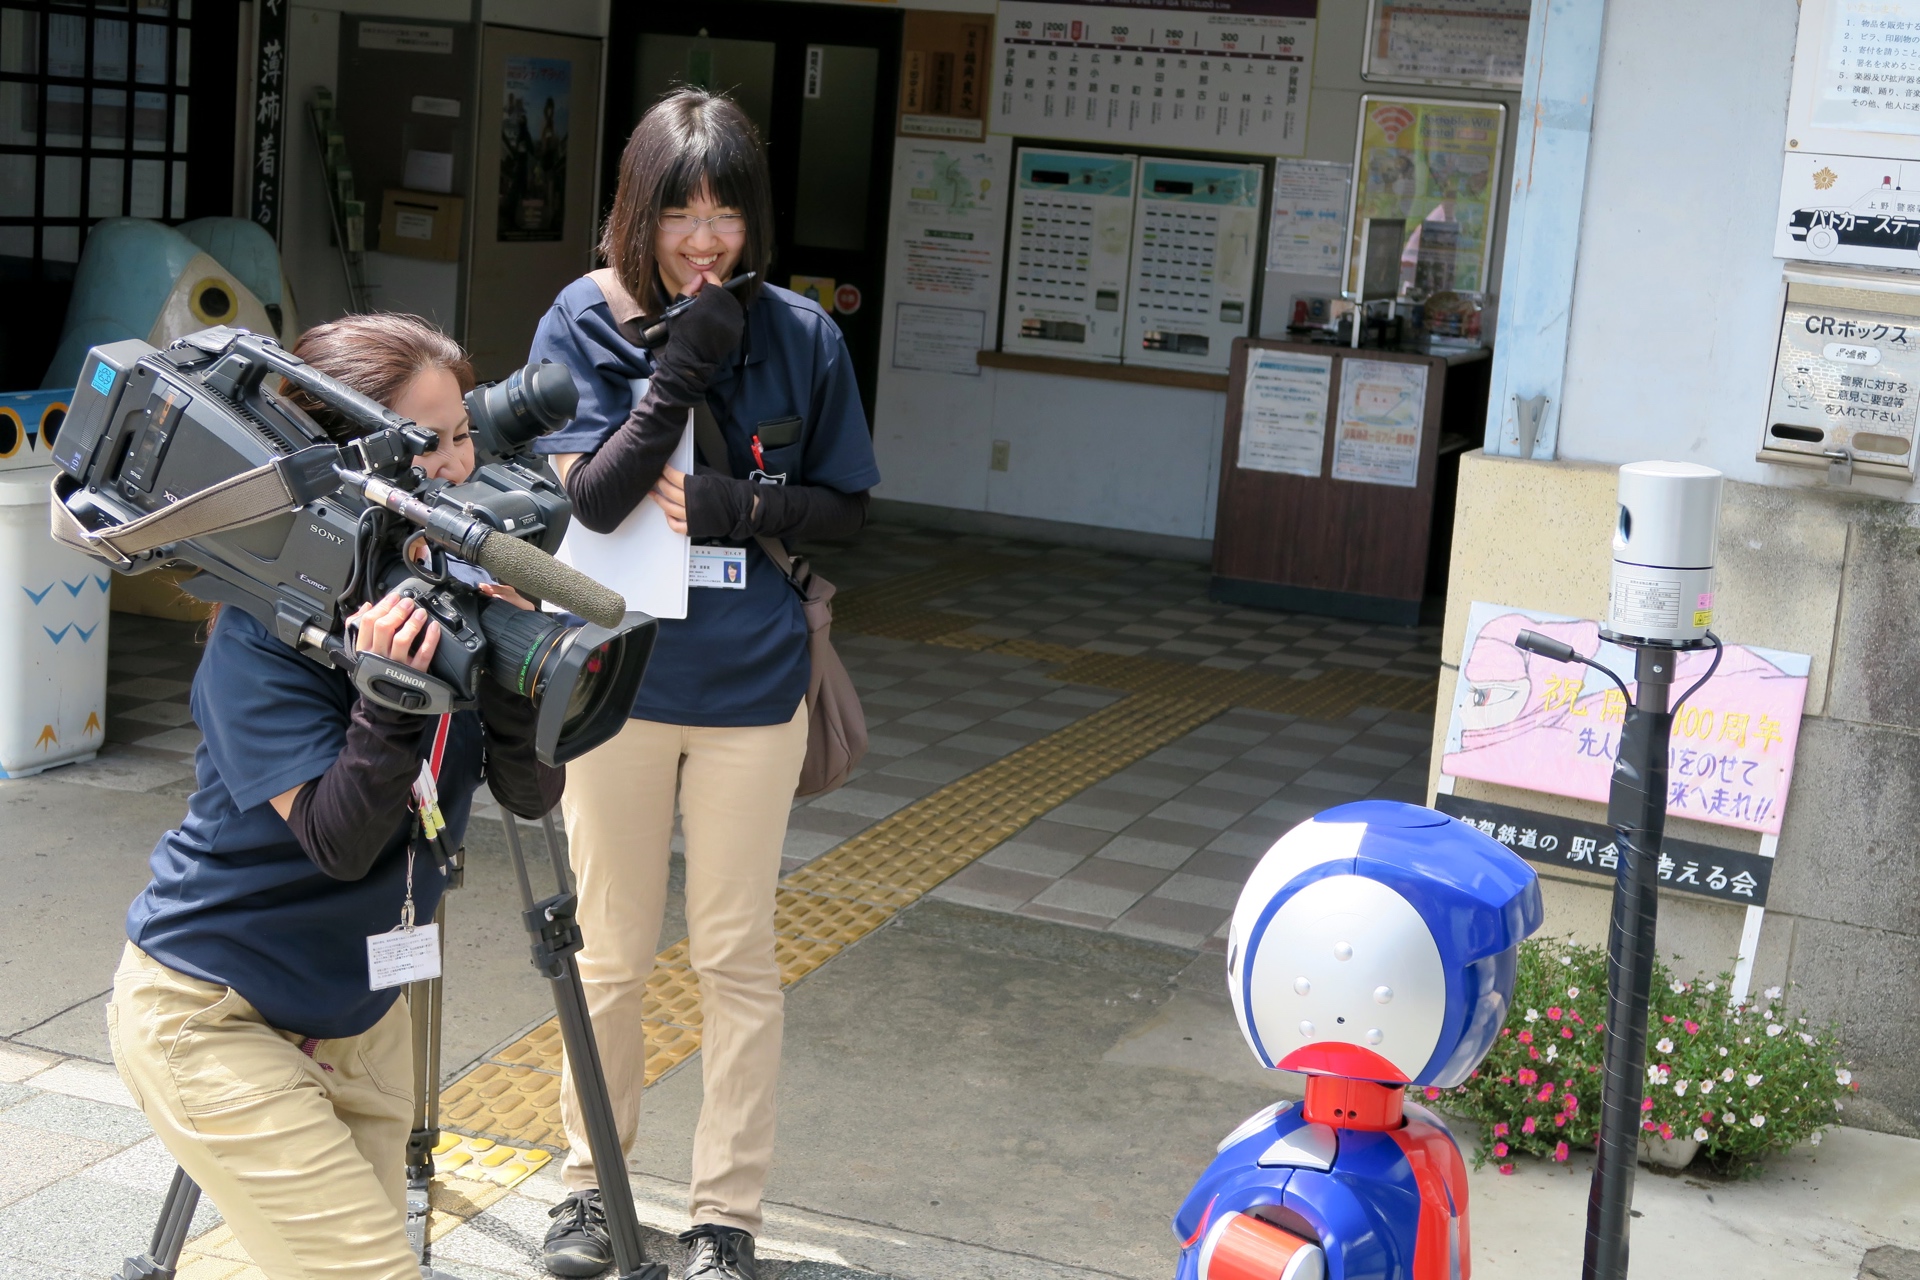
pixel 148 428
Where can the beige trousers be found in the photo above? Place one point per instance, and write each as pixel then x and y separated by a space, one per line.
pixel 735 790
pixel 306 1163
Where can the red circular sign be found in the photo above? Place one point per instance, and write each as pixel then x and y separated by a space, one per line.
pixel 846 299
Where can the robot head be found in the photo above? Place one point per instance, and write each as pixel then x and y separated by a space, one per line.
pixel 1377 941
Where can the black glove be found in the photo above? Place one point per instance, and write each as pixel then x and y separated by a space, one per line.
pixel 724 507
pixel 698 341
pixel 608 484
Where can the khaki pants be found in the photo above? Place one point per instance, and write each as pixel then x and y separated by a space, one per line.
pixel 735 789
pixel 307 1164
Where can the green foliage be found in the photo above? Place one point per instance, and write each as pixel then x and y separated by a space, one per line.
pixel 1744 1080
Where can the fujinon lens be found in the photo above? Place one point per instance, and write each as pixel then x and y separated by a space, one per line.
pixel 508 415
pixel 582 678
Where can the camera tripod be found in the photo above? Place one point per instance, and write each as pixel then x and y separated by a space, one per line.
pixel 555 938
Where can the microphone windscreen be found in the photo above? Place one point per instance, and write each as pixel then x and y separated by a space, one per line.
pixel 534 572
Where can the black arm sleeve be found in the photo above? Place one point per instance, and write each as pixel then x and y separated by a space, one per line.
pixel 521 784
pixel 724 507
pixel 346 816
pixel 609 483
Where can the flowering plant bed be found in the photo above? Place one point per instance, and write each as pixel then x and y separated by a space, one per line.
pixel 1743 1080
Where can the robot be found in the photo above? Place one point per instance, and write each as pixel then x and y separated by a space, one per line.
pixel 1373 948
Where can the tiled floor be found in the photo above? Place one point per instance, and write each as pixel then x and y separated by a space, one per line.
pixel 1158 851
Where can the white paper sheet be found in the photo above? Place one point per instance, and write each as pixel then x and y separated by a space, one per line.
pixel 1283 414
pixel 1383 407
pixel 644 560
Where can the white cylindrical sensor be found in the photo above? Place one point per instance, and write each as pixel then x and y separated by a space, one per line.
pixel 1662 586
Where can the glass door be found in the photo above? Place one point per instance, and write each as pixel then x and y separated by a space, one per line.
pixel 819 81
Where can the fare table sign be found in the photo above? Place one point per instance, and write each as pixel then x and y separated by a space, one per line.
pixel 1525 721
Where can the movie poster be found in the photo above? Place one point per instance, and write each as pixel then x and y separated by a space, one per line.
pixel 533 149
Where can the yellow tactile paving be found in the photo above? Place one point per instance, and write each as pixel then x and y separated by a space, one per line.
pixel 503 1117
pixel 845 894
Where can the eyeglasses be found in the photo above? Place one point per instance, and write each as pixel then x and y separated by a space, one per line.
pixel 723 224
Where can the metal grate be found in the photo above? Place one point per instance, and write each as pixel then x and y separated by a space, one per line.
pixel 93 118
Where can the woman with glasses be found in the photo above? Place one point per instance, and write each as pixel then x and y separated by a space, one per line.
pixel 720 723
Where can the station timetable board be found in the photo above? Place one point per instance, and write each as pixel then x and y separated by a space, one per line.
pixel 1072 234
pixel 1195 248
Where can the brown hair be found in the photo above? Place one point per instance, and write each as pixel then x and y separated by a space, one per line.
pixel 376 355
pixel 690 141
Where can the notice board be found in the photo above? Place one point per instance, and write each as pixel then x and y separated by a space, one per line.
pixel 1319 511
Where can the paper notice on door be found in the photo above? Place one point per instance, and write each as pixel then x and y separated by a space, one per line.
pixel 644 560
pixel 1283 412
pixel 1377 428
pixel 938 339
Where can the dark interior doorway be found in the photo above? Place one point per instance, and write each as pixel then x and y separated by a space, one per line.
pixel 820 82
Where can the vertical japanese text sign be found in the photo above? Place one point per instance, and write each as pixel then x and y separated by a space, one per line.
pixel 269 114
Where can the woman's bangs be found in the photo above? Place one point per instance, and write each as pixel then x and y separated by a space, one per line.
pixel 716 165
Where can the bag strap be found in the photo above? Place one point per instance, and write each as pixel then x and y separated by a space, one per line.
pixel 713 447
pixel 238 500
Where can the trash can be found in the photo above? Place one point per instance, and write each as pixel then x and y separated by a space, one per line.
pixel 53 608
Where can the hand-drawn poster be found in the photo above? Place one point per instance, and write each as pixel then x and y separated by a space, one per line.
pixel 1428 164
pixel 1521 720
pixel 533 149
pixel 1383 405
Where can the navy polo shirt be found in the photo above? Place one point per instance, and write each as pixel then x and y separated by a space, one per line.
pixel 234 899
pixel 739 657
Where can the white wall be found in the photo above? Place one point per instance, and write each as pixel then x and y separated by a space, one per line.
pixel 1116 454
pixel 1677 295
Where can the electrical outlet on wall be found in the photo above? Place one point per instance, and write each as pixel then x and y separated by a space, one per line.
pixel 1001 451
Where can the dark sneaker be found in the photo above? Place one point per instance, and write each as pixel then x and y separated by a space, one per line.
pixel 577 1242
pixel 718 1253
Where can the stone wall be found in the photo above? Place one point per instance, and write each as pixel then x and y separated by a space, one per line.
pixel 1818 572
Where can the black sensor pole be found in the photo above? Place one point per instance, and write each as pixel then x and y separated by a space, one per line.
pixel 1637 812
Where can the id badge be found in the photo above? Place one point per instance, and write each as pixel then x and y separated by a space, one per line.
pixel 717 567
pixel 401 956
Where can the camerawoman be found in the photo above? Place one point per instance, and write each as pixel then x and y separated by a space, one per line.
pixel 255 1014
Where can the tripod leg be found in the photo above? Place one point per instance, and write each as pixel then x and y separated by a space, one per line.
pixel 162 1257
pixel 423 999
pixel 556 941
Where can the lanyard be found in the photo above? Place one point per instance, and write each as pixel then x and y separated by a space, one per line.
pixel 426 805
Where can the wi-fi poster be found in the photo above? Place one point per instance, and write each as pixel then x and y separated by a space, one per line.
pixel 1435 166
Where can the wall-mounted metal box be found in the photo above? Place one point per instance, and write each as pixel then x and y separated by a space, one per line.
pixel 1846 375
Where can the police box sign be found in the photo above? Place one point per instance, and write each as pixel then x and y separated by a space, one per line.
pixel 1707 870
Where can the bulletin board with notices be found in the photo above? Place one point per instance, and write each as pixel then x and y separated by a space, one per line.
pixel 1232 78
pixel 1067 269
pixel 1482 43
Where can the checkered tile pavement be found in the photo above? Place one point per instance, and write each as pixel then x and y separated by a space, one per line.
pixel 1106 602
pixel 1158 851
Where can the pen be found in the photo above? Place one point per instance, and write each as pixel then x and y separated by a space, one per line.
pixel 657 332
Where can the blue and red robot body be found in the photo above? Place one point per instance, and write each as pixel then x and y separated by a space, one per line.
pixel 1373 948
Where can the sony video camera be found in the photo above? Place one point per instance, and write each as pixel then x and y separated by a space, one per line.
pixel 343 523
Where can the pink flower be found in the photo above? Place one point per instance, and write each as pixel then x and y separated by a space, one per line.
pixel 1554 1013
pixel 1505 1032
pixel 1667 1017
pixel 1560 1153
pixel 1506 1079
pixel 1706 1117
pixel 1533 1054
pixel 1431 1093
pixel 1499 1148
pixel 1570 1103
pixel 1506 1171
pixel 1646 1104
pixel 1500 1129
pixel 1693 1028
pixel 1545 1094
pixel 1666 1131
pixel 1527 1075
pixel 1566 1033
pixel 1577 1018
pixel 1527 1125
pixel 1560 1121
pixel 1526 1037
